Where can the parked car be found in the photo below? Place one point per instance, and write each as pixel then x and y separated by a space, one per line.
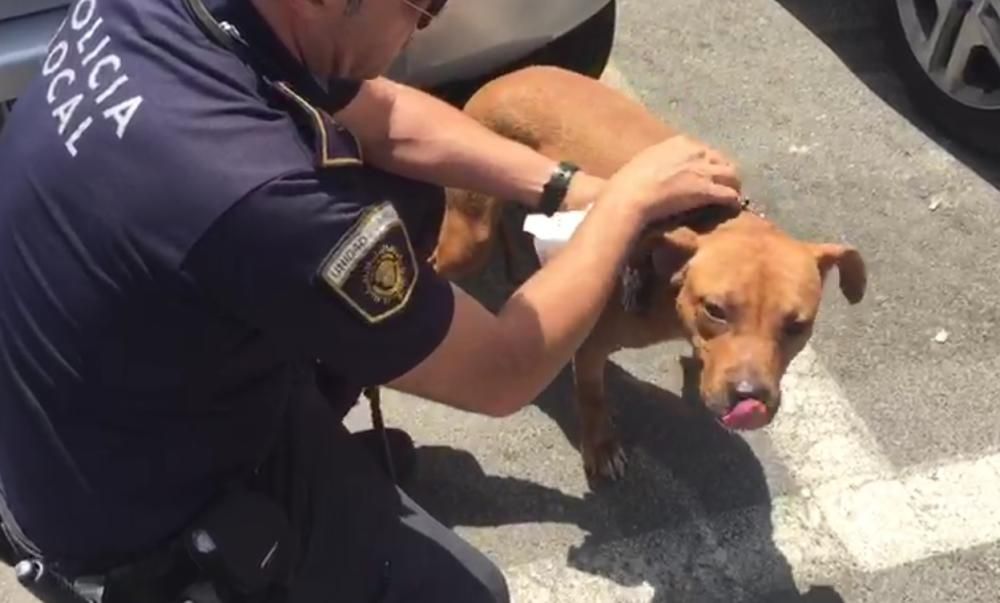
pixel 472 42
pixel 946 51
pixel 469 43
pixel 25 29
pixel 948 55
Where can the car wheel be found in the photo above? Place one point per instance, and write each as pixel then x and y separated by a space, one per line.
pixel 586 50
pixel 948 55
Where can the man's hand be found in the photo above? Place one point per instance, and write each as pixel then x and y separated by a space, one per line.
pixel 688 172
pixel 674 176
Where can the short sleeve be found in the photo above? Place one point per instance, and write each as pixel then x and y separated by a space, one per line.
pixel 328 273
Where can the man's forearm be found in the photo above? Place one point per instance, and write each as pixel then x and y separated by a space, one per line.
pixel 495 364
pixel 421 137
pixel 548 317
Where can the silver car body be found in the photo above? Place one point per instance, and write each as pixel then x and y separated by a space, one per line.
pixel 25 29
pixel 473 37
pixel 470 38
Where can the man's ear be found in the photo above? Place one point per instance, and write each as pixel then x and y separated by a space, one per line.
pixel 847 259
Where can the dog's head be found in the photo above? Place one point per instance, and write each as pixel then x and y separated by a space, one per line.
pixel 748 295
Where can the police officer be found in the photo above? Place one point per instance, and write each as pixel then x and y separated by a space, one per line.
pixel 212 209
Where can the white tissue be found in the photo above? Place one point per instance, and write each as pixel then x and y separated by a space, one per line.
pixel 551 233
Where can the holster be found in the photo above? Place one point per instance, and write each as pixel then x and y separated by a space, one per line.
pixel 242 546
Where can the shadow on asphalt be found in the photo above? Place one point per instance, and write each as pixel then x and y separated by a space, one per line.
pixel 853 30
pixel 687 475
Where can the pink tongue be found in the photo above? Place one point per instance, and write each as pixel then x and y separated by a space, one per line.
pixel 748 414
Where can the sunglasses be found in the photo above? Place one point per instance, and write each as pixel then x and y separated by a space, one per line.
pixel 426 14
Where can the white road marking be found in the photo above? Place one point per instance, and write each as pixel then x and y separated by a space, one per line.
pixel 872 526
pixel 729 557
pixel 887 523
pixel 817 433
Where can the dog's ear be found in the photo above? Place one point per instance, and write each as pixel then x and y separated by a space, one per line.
pixel 847 259
pixel 670 252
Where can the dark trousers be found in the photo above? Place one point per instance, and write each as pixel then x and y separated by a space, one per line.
pixel 360 538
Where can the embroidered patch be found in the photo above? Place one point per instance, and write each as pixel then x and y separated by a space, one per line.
pixel 373 267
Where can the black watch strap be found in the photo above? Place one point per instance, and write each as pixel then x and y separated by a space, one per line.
pixel 554 192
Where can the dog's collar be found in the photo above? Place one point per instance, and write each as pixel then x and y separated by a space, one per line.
pixel 637 281
pixel 747 205
pixel 638 277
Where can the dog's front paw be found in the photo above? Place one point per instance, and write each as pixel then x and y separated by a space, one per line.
pixel 605 460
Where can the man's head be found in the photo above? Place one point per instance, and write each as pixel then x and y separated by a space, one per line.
pixel 748 295
pixel 353 39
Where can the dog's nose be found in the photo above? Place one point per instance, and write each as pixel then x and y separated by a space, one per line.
pixel 746 389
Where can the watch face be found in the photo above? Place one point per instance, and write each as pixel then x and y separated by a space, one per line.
pixel 555 190
pixel 568 169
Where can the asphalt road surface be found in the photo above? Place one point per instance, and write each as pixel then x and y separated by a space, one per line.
pixel 880 479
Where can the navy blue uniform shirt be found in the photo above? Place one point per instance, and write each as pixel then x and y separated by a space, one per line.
pixel 179 244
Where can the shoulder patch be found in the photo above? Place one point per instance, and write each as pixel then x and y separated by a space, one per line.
pixel 373 268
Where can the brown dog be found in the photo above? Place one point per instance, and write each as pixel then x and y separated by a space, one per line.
pixel 741 291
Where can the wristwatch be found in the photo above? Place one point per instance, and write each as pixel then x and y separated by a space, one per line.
pixel 554 191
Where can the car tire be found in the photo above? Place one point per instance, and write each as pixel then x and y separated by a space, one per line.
pixel 585 50
pixel 974 126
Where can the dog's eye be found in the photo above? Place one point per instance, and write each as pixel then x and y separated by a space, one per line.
pixel 715 311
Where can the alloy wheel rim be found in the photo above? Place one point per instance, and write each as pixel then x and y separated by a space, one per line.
pixel 957 43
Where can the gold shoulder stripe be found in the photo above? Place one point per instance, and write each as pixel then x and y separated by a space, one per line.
pixel 319 123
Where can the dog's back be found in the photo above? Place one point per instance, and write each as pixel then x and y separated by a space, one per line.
pixel 560 114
